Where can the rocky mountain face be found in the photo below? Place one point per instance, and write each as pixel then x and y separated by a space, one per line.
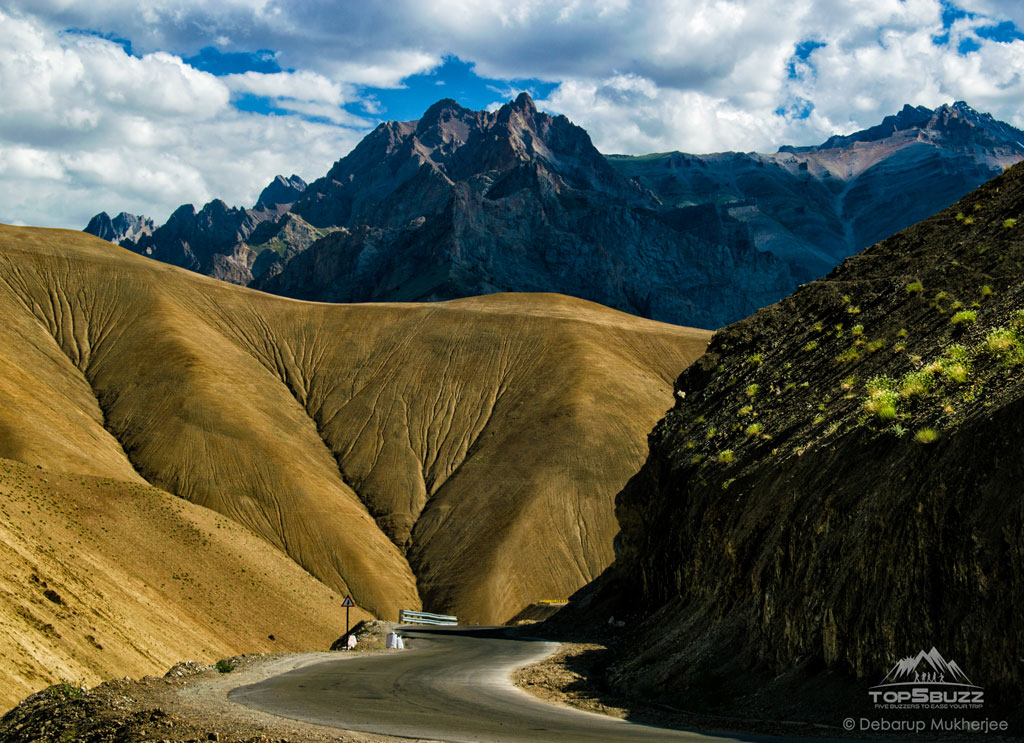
pixel 124 228
pixel 225 242
pixel 815 206
pixel 281 192
pixel 837 486
pixel 462 203
pixel 469 202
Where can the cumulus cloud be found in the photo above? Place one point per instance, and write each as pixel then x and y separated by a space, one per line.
pixel 86 126
pixel 867 60
pixel 640 75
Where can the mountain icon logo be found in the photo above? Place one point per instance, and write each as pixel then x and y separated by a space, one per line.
pixel 926 668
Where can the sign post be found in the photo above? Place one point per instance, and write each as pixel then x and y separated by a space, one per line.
pixel 348 604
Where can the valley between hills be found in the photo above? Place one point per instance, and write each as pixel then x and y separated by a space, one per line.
pixel 182 457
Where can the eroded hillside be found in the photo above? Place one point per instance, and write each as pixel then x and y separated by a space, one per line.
pixel 464 453
pixel 104 578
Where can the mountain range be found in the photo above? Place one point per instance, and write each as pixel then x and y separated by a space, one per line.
pixel 462 203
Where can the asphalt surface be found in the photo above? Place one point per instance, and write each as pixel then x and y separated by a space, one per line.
pixel 448 685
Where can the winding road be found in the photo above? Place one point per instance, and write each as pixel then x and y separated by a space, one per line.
pixel 450 685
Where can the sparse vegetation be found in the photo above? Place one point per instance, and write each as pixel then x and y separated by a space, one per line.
pixel 1000 340
pixel 1008 223
pixel 726 455
pixel 1006 344
pixel 882 398
pixel 914 287
pixel 225 666
pixel 926 436
pixel 65 689
pixel 956 363
pixel 964 317
pixel 752 390
pixel 915 384
pixel 753 429
pixel 811 345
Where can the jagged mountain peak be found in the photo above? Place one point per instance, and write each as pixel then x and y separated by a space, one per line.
pixel 281 191
pixel 442 108
pixel 524 102
pixel 418 163
pixel 123 227
pixel 958 121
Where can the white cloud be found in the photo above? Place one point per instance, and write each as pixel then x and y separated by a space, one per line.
pixel 300 86
pixel 640 75
pixel 877 56
pixel 86 126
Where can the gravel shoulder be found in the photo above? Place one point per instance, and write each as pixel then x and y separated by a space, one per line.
pixel 187 705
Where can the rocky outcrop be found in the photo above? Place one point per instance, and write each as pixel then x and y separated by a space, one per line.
pixel 123 227
pixel 225 242
pixel 281 192
pixel 210 241
pixel 837 485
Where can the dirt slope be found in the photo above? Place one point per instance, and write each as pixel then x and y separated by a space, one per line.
pixel 466 452
pixel 104 578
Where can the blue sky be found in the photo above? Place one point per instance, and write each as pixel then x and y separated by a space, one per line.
pixel 142 105
pixel 453 78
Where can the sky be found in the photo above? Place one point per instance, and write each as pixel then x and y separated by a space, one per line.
pixel 143 105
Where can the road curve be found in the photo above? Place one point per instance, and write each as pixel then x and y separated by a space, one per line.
pixel 449 685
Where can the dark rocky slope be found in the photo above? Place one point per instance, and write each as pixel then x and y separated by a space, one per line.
pixel 838 485
pixel 225 242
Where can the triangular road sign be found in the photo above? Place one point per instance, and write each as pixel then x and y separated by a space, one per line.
pixel 348 602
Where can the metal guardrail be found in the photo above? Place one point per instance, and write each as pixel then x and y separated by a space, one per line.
pixel 422 617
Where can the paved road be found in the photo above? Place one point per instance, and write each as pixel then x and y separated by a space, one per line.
pixel 449 685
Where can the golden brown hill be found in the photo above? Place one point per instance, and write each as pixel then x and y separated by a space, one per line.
pixel 465 452
pixel 100 578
